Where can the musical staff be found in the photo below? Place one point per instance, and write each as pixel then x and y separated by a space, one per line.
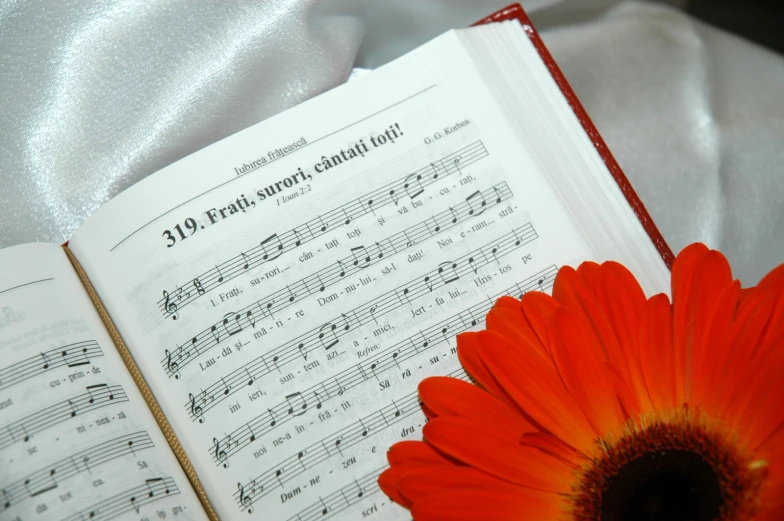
pixel 342 498
pixel 71 355
pixel 133 499
pixel 49 477
pixel 412 185
pixel 361 258
pixel 387 359
pixel 309 457
pixel 325 337
pixel 97 396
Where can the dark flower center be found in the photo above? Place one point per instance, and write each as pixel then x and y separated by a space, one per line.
pixel 684 469
pixel 672 485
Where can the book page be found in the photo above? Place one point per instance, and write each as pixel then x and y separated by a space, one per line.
pixel 77 441
pixel 285 290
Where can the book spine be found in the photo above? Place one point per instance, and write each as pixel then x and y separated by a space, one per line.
pixel 152 403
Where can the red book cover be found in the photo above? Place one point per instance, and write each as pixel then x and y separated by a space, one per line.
pixel 516 12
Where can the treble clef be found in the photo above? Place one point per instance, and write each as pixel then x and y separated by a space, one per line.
pixel 245 501
pixel 196 410
pixel 170 306
pixel 172 367
pixel 220 454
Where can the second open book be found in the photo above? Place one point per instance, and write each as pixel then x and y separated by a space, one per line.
pixel 282 292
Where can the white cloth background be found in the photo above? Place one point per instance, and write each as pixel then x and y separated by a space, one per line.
pixel 95 95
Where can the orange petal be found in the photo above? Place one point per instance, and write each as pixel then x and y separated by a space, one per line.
pixel 487 506
pixel 655 352
pixel 590 272
pixel 467 344
pixel 711 354
pixel 538 309
pixel 420 482
pixel 749 325
pixel 512 324
pixel 536 388
pixel 774 280
pixel 693 308
pixel 452 397
pixel 484 448
pixel 571 292
pixel 755 409
pixel 622 300
pixel 553 446
pixel 578 358
pixel 388 481
pixel 507 302
pixel 414 452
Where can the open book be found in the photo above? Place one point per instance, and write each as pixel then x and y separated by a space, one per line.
pixel 240 335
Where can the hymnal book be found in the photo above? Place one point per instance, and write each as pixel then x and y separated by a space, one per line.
pixel 241 335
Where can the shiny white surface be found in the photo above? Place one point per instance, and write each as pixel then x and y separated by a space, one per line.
pixel 95 95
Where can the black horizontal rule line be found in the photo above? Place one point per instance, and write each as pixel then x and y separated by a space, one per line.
pixel 174 300
pixel 289 154
pixel 74 354
pixel 350 378
pixel 318 452
pixel 319 281
pixel 25 285
pixel 363 314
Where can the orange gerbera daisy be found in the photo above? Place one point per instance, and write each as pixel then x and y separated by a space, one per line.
pixel 599 404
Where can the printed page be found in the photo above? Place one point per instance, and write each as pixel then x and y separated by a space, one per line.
pixel 77 441
pixel 285 290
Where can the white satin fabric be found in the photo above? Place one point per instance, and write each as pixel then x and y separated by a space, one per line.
pixel 95 95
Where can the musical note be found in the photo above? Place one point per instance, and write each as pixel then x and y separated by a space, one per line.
pixel 272 415
pixel 73 408
pixel 6 500
pixel 392 195
pixel 220 453
pixel 323 224
pixel 473 266
pixel 299 239
pixel 271 243
pixel 372 312
pixel 46 361
pixel 360 490
pixel 456 163
pixel 342 271
pixel 301 407
pixel 360 258
pixel 428 284
pixel 245 501
pixel 348 219
pixel 75 357
pixel 246 259
pixel 250 378
pixel 499 197
pixel 476 202
pixel 332 338
pixel 448 272
pixel 318 399
pixel 96 392
pixel 220 274
pixel 170 306
pixel 250 318
pixel 323 512
pixel 413 184
pixel 303 351
pixel 229 318
pixel 454 215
